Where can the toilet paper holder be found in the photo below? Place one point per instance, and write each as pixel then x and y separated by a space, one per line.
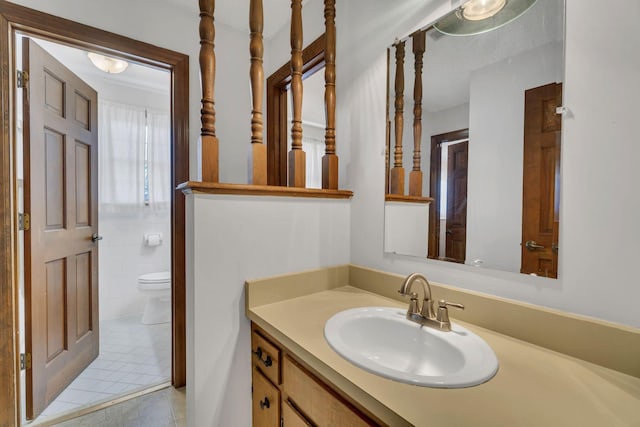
pixel 153 239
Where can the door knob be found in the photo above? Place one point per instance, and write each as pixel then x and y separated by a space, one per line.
pixel 532 245
pixel 95 237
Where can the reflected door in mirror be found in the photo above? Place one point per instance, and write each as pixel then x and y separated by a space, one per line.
pixel 448 213
pixel 541 181
pixel 456 234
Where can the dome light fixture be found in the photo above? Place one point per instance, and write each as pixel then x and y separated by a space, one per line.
pixel 477 10
pixel 107 64
pixel 480 16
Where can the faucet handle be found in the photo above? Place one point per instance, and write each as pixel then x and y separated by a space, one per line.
pixel 442 304
pixel 443 313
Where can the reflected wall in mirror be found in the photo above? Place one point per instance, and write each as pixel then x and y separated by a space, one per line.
pixel 482 125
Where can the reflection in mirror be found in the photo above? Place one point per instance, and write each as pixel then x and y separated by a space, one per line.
pixel 485 119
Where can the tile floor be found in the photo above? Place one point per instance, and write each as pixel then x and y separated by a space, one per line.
pixel 164 408
pixel 132 357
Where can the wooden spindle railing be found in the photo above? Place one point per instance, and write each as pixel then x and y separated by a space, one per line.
pixel 415 177
pixel 207 73
pixel 297 159
pixel 330 159
pixel 256 73
pixel 397 172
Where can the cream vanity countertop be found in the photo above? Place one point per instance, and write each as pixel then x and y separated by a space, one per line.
pixel 533 387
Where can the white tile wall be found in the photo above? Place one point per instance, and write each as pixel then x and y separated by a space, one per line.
pixel 124 257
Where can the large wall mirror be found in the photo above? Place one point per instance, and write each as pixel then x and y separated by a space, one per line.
pixel 473 138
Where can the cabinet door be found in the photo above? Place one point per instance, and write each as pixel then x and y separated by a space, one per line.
pixel 316 401
pixel 291 417
pixel 266 402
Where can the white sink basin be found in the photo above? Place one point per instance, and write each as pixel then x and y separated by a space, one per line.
pixel 382 341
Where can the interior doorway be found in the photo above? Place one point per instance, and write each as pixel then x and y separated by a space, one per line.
pixel 448 187
pixel 101 347
pixel 19 20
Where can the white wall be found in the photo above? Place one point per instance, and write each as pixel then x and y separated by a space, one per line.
pixel 599 207
pixel 232 239
pixel 496 132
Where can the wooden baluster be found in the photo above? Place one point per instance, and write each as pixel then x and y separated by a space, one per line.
pixel 330 159
pixel 258 149
pixel 297 159
pixel 397 172
pixel 415 176
pixel 207 73
pixel 387 130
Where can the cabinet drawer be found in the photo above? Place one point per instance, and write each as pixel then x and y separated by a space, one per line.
pixel 266 402
pixel 266 357
pixel 291 417
pixel 315 401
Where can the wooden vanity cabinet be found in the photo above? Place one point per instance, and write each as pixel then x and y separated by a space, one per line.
pixel 303 398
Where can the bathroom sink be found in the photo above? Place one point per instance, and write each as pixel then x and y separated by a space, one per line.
pixel 382 341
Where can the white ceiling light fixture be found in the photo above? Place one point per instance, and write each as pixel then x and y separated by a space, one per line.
pixel 480 16
pixel 477 10
pixel 107 64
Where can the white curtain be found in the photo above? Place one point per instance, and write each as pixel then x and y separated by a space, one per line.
pixel 124 130
pixel 121 160
pixel 159 158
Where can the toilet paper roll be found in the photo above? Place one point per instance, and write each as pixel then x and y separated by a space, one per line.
pixel 153 239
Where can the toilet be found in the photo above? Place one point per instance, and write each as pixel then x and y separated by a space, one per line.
pixel 157 288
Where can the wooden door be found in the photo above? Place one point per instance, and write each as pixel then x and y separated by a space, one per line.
pixel 456 232
pixel 61 259
pixel 541 181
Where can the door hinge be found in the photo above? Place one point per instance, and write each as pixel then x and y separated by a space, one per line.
pixel 24 222
pixel 281 422
pixel 22 78
pixel 25 361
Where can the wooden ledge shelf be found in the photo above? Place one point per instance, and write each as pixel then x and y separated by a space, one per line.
pixel 197 187
pixel 406 199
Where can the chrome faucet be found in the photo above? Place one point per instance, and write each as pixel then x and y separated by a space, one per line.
pixel 425 315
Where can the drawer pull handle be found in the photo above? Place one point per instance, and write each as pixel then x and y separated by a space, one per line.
pixel 267 361
pixel 265 403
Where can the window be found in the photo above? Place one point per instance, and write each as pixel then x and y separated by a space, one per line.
pixel 135 168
